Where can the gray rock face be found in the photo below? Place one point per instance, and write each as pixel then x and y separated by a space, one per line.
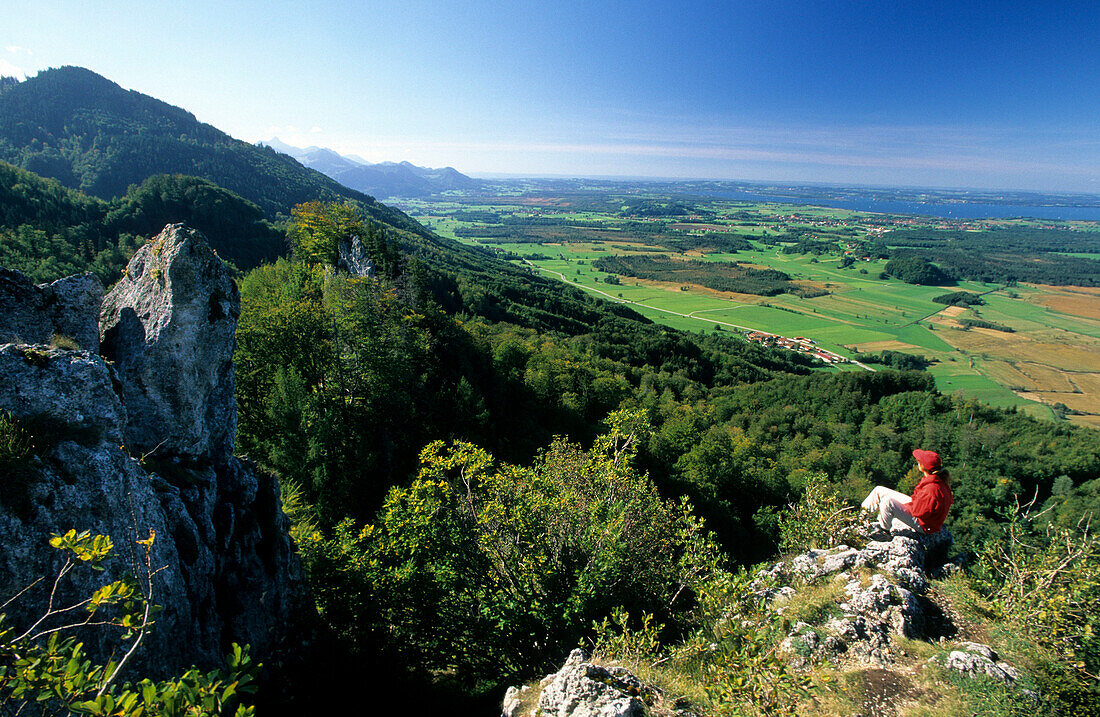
pixel 227 568
pixel 65 393
pixel 169 326
pixel 33 314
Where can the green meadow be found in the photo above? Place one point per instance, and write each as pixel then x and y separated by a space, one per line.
pixel 859 311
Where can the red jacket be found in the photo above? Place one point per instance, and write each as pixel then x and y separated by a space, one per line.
pixel 930 502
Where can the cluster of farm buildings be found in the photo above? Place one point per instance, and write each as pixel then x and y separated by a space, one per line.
pixel 798 343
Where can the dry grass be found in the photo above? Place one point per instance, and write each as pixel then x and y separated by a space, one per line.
pixel 696 289
pixel 886 346
pixel 1047 378
pixel 1009 375
pixel 1077 301
pixel 1076 353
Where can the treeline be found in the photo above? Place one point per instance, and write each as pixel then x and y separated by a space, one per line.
pixel 647 207
pixel 48 231
pixel 896 360
pixel 502 234
pixel 983 324
pixel 960 298
pixel 810 246
pixel 709 242
pixel 720 276
pixel 1039 268
pixel 1021 240
pixel 1004 255
pixel 913 269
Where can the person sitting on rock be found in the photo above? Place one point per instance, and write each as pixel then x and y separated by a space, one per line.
pixel 924 511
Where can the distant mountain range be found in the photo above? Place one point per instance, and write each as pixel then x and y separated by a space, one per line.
pixel 385 179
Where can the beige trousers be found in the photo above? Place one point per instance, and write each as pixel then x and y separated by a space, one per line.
pixel 890 506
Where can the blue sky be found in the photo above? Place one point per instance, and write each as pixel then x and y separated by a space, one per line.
pixel 956 94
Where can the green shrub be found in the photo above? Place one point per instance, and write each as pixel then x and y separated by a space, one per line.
pixel 820 519
pixel 1045 581
pixel 45 668
pixel 491 570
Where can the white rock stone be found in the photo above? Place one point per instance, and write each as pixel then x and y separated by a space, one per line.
pixel 580 689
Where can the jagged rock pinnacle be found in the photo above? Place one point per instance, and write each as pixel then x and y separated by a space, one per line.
pixel 168 325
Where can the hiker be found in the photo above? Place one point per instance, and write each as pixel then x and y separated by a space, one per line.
pixel 924 511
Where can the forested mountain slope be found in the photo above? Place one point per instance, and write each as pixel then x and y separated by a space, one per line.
pixel 48 231
pixel 85 131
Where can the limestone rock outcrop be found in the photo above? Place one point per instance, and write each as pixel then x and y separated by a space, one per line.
pixel 976 659
pixel 168 325
pixel 142 444
pixel 881 589
pixel 34 314
pixel 353 258
pixel 582 689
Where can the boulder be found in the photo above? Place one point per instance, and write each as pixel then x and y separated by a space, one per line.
pixel 582 689
pixel 168 325
pixel 35 314
pixel 976 659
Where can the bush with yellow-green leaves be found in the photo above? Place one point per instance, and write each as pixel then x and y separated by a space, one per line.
pixel 1044 580
pixel 44 670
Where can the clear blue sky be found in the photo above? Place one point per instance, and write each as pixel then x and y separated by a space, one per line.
pixel 960 94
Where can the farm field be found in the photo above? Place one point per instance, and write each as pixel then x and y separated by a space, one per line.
pixel 1043 357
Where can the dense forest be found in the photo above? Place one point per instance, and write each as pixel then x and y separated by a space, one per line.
pixel 914 269
pixel 718 276
pixel 48 231
pixel 1003 255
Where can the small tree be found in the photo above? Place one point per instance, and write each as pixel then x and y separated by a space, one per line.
pixel 317 228
pixel 45 671
pixel 820 518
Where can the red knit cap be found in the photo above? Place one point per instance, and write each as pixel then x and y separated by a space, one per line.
pixel 928 460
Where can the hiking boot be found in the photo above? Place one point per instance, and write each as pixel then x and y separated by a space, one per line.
pixel 874 532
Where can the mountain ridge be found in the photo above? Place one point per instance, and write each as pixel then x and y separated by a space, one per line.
pixel 383 179
pixel 87 132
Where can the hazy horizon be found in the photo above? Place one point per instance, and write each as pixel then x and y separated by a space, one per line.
pixel 929 95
